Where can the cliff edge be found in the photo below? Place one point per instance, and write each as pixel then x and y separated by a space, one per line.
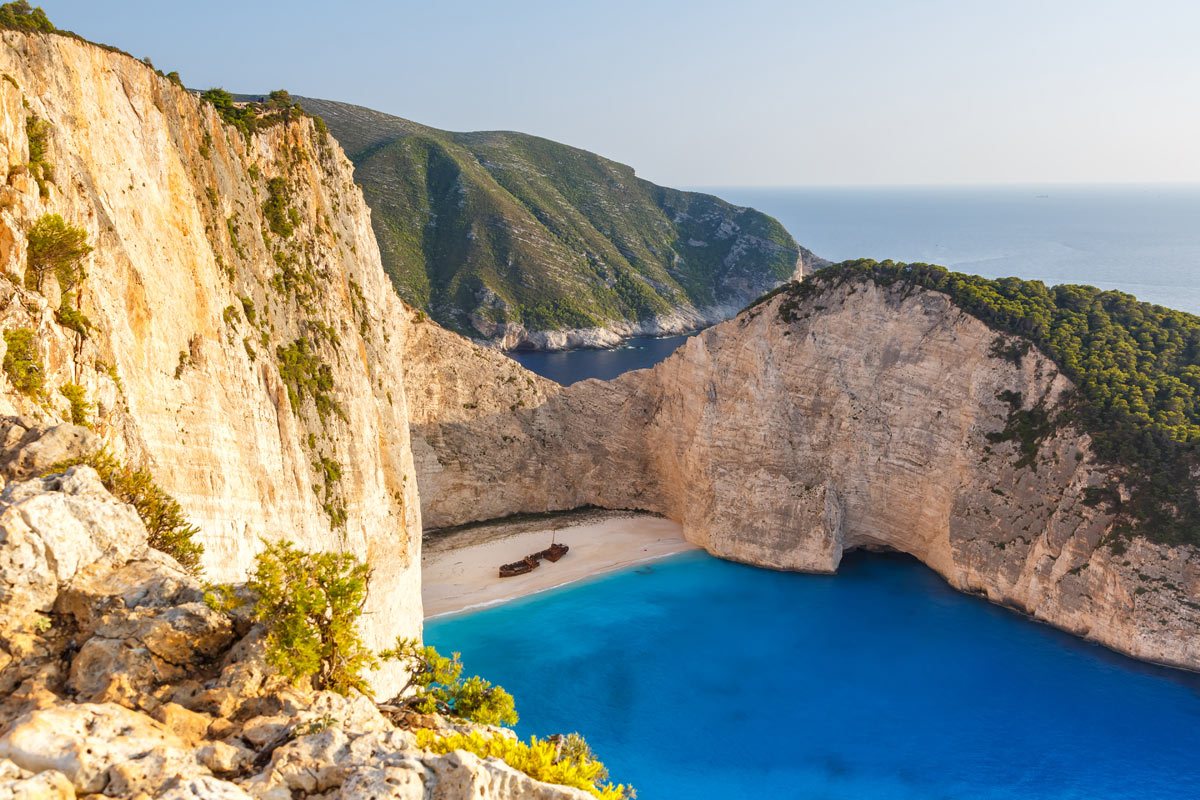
pixel 232 332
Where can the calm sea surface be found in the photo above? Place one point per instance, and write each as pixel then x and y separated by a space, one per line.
pixel 1144 240
pixel 698 678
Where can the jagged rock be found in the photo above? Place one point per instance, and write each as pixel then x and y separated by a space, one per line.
pixel 20 784
pixel 465 776
pixel 85 742
pixel 53 528
pixel 188 725
pixel 202 787
pixel 28 449
pixel 153 581
pixel 225 757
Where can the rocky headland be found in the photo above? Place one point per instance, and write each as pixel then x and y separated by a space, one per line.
pixel 522 242
pixel 858 417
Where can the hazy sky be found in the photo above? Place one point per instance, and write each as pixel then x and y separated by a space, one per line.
pixel 757 92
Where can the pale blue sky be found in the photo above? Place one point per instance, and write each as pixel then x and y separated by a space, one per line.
pixel 757 92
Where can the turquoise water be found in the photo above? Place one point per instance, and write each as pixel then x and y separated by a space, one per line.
pixel 698 678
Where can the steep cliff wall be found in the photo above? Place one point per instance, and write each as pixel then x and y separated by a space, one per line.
pixel 860 423
pixel 244 346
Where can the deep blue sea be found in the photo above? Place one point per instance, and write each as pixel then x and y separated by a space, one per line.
pixel 567 367
pixel 1144 240
pixel 698 678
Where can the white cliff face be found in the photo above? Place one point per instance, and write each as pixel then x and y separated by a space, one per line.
pixel 257 375
pixel 862 423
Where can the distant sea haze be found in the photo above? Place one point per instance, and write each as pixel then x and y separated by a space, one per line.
pixel 1144 240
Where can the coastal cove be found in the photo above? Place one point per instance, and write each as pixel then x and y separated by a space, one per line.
pixel 879 682
pixel 571 366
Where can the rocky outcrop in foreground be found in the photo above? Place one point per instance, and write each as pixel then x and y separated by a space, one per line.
pixel 858 418
pixel 117 678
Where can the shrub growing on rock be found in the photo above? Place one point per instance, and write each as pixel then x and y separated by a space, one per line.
pixel 56 245
pixel 440 687
pixel 539 759
pixel 165 522
pixel 21 362
pixel 310 603
pixel 77 396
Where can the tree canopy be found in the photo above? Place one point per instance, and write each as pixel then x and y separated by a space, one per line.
pixel 23 17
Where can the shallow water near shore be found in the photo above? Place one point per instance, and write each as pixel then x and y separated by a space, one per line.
pixel 693 677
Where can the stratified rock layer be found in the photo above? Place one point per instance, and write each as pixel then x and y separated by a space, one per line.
pixel 861 423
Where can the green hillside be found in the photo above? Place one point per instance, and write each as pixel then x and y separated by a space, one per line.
pixel 481 229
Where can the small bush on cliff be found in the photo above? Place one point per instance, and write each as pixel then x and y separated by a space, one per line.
pixel 37 131
pixel 21 362
pixel 275 209
pixel 441 689
pixel 311 603
pixel 169 529
pixel 539 759
pixel 306 374
pixel 80 408
pixel 59 247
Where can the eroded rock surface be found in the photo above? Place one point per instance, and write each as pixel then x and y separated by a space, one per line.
pixel 242 342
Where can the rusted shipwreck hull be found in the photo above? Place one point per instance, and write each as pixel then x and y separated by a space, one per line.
pixel 531 562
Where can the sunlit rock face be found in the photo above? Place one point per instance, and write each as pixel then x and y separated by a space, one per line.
pixel 860 423
pixel 244 346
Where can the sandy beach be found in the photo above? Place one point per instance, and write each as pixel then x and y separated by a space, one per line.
pixel 459 568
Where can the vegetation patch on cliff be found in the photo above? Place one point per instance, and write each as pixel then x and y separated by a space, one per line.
pixel 1136 368
pixel 541 760
pixel 169 529
pixel 21 362
pixel 306 374
pixel 251 117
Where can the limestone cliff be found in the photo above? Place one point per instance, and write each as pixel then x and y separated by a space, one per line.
pixel 244 346
pixel 858 420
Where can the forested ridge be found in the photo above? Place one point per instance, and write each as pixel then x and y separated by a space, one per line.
pixel 1135 366
pixel 497 227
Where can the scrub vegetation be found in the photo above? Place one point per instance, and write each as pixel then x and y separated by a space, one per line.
pixel 539 759
pixel 165 522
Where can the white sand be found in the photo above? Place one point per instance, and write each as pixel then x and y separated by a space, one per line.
pixel 459 569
